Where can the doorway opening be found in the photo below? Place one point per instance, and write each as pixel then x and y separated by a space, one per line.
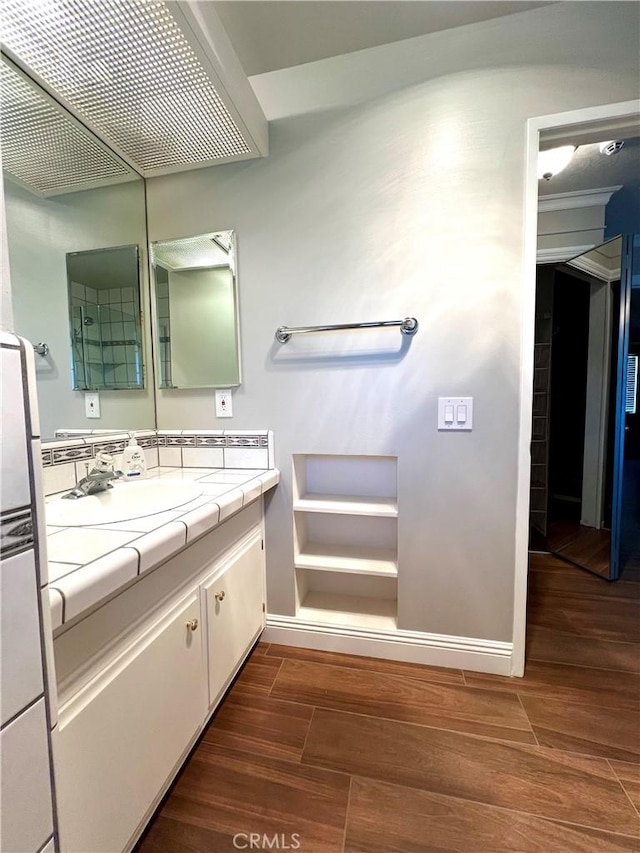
pixel 590 124
pixel 574 400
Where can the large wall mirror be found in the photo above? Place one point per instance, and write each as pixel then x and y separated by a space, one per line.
pixel 585 451
pixel 196 311
pixel 76 228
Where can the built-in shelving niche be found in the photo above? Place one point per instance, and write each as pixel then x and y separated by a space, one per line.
pixel 345 511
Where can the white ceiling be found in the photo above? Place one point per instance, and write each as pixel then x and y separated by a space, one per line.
pixel 268 35
pixel 275 34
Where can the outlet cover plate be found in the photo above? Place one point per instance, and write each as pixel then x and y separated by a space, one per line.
pixel 224 406
pixel 92 405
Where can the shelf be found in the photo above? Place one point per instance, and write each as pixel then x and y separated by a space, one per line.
pixel 347 505
pixel 354 611
pixel 377 562
pixel 345 513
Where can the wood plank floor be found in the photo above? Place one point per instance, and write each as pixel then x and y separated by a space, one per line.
pixel 584 546
pixel 326 752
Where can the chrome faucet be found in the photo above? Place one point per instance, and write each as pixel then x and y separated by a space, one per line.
pixel 98 479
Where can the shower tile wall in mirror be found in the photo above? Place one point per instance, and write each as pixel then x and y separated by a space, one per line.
pixel 69 245
pixel 196 311
pixel 104 312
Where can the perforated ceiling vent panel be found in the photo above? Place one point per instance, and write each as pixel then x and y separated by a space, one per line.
pixel 43 148
pixel 207 250
pixel 128 71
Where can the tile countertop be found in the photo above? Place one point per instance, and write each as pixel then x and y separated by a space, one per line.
pixel 90 563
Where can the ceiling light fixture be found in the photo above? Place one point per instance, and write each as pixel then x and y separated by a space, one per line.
pixel 553 161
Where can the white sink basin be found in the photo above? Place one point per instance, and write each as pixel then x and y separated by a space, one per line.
pixel 121 503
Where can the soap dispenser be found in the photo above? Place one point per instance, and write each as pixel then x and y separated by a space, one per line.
pixel 134 463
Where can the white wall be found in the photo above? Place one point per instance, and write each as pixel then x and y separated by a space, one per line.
pixel 572 229
pixel 394 187
pixel 203 328
pixel 40 233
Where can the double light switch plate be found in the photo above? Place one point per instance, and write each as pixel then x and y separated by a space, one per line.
pixel 455 413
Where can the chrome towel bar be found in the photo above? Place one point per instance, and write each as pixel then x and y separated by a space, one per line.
pixel 408 326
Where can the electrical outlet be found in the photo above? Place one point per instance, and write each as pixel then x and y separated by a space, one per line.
pixel 92 405
pixel 224 407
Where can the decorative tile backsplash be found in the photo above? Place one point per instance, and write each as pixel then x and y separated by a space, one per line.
pixel 61 451
pixel 70 454
pixel 226 439
pixel 65 460
pixel 247 441
pixel 72 450
pixel 16 531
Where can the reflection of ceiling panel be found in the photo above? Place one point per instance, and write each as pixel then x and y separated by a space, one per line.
pixel 104 269
pixel 128 71
pixel 43 148
pixel 207 250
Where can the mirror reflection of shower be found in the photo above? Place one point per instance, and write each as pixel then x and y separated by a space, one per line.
pixel 104 306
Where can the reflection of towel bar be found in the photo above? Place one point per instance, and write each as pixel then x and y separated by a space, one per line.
pixel 408 326
pixel 41 348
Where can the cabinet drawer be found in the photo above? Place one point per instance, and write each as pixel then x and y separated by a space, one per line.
pixel 234 607
pixel 122 736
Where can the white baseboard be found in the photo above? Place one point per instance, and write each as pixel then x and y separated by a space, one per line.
pixel 470 653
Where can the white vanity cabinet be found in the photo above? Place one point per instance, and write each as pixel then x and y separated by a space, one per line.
pixel 234 602
pixel 122 737
pixel 139 678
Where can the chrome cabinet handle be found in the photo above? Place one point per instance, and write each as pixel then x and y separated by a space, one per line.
pixel 219 596
pixel 192 624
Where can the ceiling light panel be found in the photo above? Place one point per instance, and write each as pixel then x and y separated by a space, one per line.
pixel 44 148
pixel 128 71
pixel 194 252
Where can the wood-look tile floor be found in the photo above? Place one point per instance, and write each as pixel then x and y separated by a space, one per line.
pixel 327 753
pixel 583 546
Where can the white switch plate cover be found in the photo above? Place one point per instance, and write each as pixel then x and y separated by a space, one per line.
pixel 462 407
pixel 224 406
pixel 92 405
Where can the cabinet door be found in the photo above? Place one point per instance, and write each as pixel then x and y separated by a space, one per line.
pixel 25 793
pixel 21 670
pixel 235 616
pixel 120 740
